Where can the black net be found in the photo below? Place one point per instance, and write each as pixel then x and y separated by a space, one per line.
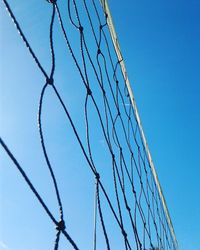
pixel 124 209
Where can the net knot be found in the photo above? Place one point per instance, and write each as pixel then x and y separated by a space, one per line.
pixel 89 91
pixel 81 29
pixel 124 233
pixel 49 81
pixel 128 208
pixel 60 225
pixel 113 156
pixel 98 51
pixel 97 175
pixel 117 82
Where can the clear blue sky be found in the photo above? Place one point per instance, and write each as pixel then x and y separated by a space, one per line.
pixel 160 42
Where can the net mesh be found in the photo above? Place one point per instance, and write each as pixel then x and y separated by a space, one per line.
pixel 126 211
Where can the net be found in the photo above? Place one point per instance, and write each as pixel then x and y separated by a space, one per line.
pixel 103 130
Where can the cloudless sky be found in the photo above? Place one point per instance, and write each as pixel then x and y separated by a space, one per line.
pixel 160 42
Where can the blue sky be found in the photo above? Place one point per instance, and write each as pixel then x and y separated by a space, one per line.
pixel 160 42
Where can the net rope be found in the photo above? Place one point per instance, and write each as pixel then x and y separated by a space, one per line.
pixel 136 207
